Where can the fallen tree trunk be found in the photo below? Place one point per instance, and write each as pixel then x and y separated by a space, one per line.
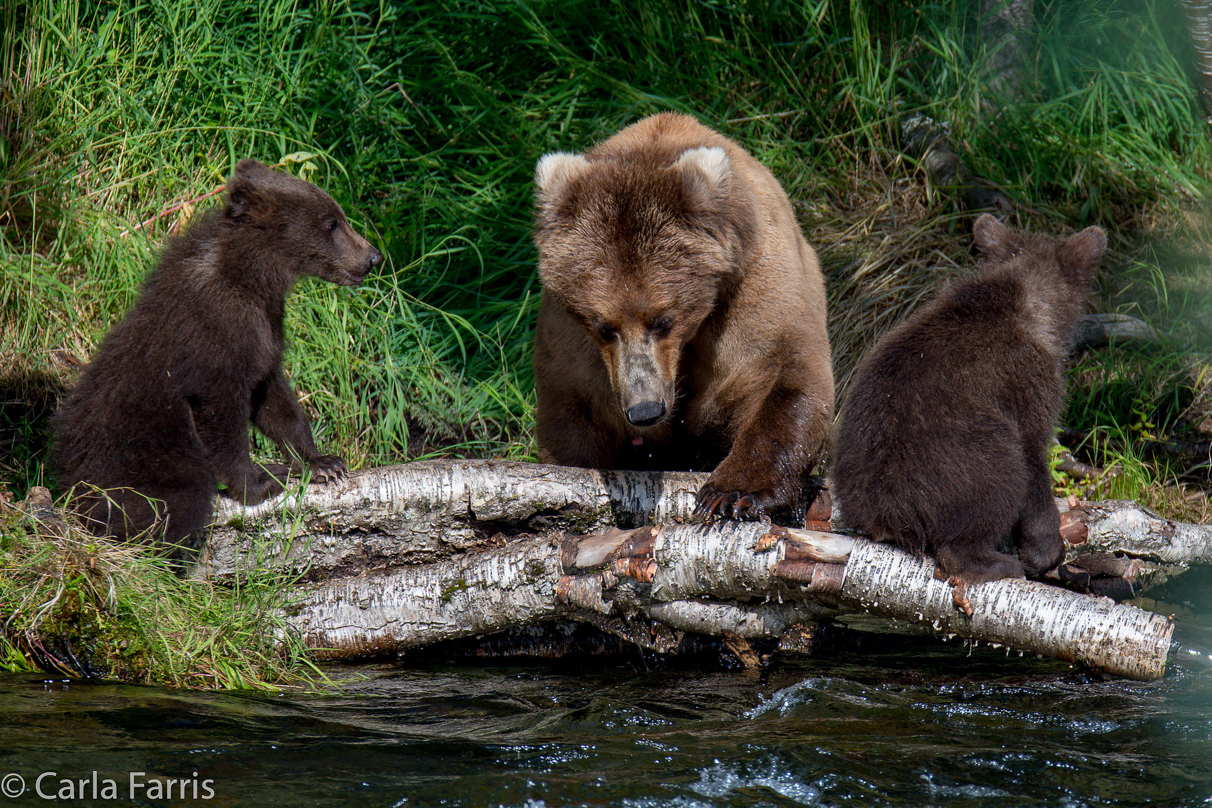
pixel 428 511
pixel 739 578
pixel 407 556
pixel 926 140
pixel 1119 526
pixel 431 510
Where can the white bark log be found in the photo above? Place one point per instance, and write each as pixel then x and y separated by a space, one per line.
pixel 423 512
pixel 1117 526
pixel 479 593
pixel 884 580
pixel 430 510
pixel 679 574
pixel 1026 615
pixel 407 556
pixel 742 619
pixel 1095 330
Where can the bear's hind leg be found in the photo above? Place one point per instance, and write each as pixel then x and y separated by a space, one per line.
pixel 1037 533
pixel 977 563
pixel 983 500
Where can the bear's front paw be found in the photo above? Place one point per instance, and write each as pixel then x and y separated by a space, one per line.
pixel 279 471
pixel 327 468
pixel 738 504
pixel 270 481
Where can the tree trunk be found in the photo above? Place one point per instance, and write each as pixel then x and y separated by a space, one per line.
pixel 431 510
pixel 1198 15
pixel 926 141
pixel 1007 29
pixel 403 557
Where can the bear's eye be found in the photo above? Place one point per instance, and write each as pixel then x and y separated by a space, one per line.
pixel 661 325
pixel 605 331
pixel 332 225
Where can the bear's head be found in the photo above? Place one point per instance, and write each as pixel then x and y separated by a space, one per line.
pixel 638 252
pixel 302 226
pixel 1055 274
pixel 1074 260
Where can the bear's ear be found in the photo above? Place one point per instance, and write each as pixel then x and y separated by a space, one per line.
pixel 555 171
pixel 247 200
pixel 1083 249
pixel 706 176
pixel 992 237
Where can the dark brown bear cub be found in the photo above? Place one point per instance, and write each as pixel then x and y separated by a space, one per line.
pixel 161 414
pixel 682 324
pixel 942 446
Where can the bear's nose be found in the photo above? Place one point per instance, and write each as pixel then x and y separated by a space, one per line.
pixel 375 258
pixel 646 413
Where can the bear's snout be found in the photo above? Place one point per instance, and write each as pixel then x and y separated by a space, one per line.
pixel 643 388
pixel 646 413
pixel 373 260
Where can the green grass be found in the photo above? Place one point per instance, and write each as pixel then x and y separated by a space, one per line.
pixel 90 607
pixel 425 121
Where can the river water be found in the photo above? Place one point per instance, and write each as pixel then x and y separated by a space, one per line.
pixel 918 723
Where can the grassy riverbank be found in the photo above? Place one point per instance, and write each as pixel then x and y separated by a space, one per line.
pixel 74 604
pixel 118 120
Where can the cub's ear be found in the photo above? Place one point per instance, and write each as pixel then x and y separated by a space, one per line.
pixel 247 200
pixel 992 237
pixel 554 172
pixel 706 176
pixel 1083 249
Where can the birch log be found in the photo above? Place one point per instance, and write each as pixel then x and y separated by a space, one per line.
pixel 428 511
pixel 1119 526
pixel 406 556
pixel 726 577
pixel 431 510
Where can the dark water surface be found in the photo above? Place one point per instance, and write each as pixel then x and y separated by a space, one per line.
pixel 935 725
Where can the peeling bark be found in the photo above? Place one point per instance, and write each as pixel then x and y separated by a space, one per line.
pixel 1117 526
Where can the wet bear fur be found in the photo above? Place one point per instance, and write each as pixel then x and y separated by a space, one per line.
pixel 161 413
pixel 682 322
pixel 942 445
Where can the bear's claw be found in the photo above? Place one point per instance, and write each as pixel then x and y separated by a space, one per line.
pixel 327 468
pixel 727 503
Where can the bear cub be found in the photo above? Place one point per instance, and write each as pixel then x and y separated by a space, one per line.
pixel 162 412
pixel 942 446
pixel 682 322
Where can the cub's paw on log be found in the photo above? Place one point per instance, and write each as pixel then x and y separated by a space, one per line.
pixel 327 468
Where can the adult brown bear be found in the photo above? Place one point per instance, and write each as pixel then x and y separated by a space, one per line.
pixel 942 446
pixel 682 324
pixel 162 412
